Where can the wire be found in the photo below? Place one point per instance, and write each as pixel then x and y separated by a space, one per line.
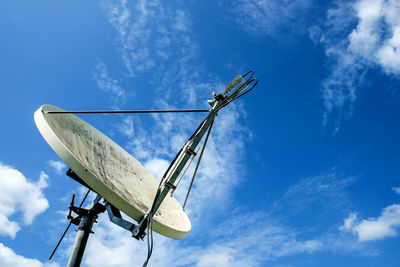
pixel 123 111
pixel 149 226
pixel 197 166
pixel 250 71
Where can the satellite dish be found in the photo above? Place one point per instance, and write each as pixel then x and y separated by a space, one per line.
pixel 125 185
pixel 109 170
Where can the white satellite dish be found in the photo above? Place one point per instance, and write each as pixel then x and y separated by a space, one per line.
pixel 125 185
pixel 109 170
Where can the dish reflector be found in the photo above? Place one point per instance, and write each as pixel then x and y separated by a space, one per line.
pixel 109 170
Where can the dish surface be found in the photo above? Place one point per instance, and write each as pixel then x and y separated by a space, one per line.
pixel 109 170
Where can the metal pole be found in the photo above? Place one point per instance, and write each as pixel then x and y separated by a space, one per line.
pixel 84 229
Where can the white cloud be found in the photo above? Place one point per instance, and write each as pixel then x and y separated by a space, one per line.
pixel 357 36
pixel 134 30
pixel 7 227
pixel 268 17
pixel 8 258
pixel 396 189
pixel 349 222
pixel 57 165
pixel 262 242
pixel 182 23
pixel 327 189
pixel 266 238
pixel 126 127
pixel 149 32
pixel 157 167
pixel 118 15
pixel 18 195
pixel 375 228
pixel 152 23
pixel 156 28
pixel 221 169
pixel 117 246
pixel 376 39
pixel 109 85
pixel 339 89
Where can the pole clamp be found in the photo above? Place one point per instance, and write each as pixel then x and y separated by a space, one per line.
pixel 191 151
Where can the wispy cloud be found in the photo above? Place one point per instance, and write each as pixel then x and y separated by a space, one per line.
pixel 149 32
pixel 267 238
pixel 327 189
pixel 357 36
pixel 261 243
pixel 180 73
pixel 257 246
pixel 109 85
pixel 157 166
pixel 386 225
pixel 269 17
pixel 19 196
pixel 57 165
pixel 126 127
pixel 220 168
pixel 134 28
pixel 340 87
pixel 396 189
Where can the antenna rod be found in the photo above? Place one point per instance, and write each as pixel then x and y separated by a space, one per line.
pixel 198 163
pixel 125 111
pixel 66 230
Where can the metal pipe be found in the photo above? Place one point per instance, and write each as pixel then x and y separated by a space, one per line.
pixel 184 172
pixel 84 229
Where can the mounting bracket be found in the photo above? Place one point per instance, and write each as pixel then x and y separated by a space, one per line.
pixel 115 216
pixel 85 217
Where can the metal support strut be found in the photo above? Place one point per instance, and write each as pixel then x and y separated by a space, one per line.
pixel 87 218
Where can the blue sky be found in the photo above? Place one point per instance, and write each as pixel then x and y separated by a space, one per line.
pixel 303 171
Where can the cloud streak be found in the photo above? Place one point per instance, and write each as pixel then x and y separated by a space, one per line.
pixel 269 17
pixel 327 189
pixel 109 85
pixel 133 26
pixel 57 166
